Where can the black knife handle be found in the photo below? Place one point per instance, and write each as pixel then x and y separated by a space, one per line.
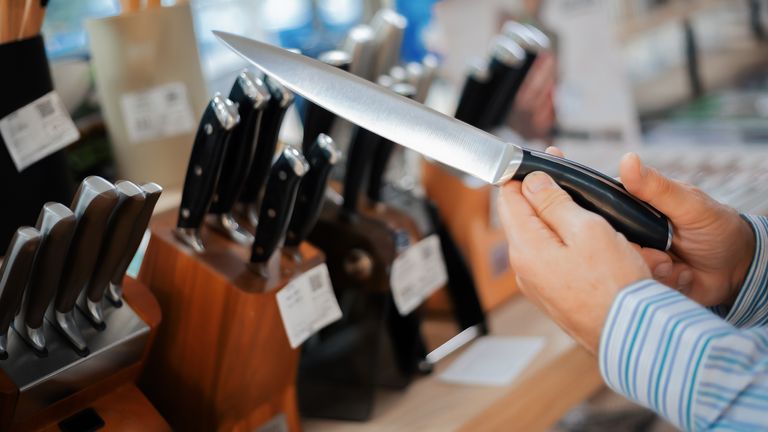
pixel 277 206
pixel 266 143
pixel 250 95
pixel 504 71
pixel 361 151
pixel 596 192
pixel 205 161
pixel 473 95
pixel 56 223
pixel 322 156
pixel 152 192
pixel 15 272
pixel 92 205
pixel 119 227
pixel 318 120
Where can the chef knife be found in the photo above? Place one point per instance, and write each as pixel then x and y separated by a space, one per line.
pixel 93 204
pixel 250 95
pixel 388 29
pixel 152 193
pixel 318 120
pixel 361 46
pixel 452 142
pixel 504 73
pixel 14 275
pixel 277 206
pixel 321 157
pixel 271 120
pixel 56 224
pixel 130 201
pixel 473 95
pixel 204 168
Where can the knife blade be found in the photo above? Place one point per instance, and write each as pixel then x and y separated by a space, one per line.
pixel 321 157
pixel 504 73
pixel 94 202
pixel 277 206
pixel 14 276
pixel 250 95
pixel 152 192
pixel 130 201
pixel 388 30
pixel 56 224
pixel 318 120
pixel 450 141
pixel 473 95
pixel 204 168
pixel 271 120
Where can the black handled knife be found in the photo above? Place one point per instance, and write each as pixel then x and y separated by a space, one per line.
pixel 271 120
pixel 14 276
pixel 152 193
pixel 250 95
pixel 205 162
pixel 93 204
pixel 316 119
pixel 130 201
pixel 56 224
pixel 322 156
pixel 358 166
pixel 504 73
pixel 277 206
pixel 473 95
pixel 450 141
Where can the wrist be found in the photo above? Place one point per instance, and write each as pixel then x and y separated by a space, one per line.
pixel 746 238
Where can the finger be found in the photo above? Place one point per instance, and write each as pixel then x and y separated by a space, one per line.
pixel 554 151
pixel 668 196
pixel 526 233
pixel 554 206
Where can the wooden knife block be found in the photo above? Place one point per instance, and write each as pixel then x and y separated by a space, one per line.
pixel 115 398
pixel 222 360
pixel 466 213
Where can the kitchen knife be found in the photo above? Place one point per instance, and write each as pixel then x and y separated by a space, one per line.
pixel 321 157
pixel 318 120
pixel 429 65
pixel 473 95
pixel 250 95
pixel 452 142
pixel 204 168
pixel 361 46
pixel 388 29
pixel 504 74
pixel 14 275
pixel 359 157
pixel 152 192
pixel 271 120
pixel 277 206
pixel 93 204
pixel 130 202
pixel 56 224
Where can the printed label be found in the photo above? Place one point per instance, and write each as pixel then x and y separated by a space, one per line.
pixel 159 112
pixel 417 273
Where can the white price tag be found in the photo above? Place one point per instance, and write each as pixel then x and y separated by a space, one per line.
pixel 417 273
pixel 38 130
pixel 158 112
pixel 307 304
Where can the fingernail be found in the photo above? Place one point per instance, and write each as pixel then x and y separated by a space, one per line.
pixel 685 279
pixel 662 270
pixel 537 181
pixel 643 168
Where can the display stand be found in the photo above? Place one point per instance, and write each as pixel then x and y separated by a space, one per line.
pixel 222 360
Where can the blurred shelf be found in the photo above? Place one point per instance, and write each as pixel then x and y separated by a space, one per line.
pixel 561 376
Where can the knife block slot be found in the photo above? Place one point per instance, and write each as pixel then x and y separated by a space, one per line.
pixel 222 360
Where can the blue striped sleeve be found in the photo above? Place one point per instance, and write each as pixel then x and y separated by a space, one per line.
pixel 678 358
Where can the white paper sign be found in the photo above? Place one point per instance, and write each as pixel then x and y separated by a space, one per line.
pixel 417 273
pixel 158 112
pixel 307 304
pixel 38 130
pixel 493 360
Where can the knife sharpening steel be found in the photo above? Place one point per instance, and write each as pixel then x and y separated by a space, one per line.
pixel 39 391
pixel 222 359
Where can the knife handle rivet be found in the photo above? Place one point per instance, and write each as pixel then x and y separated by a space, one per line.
pixel 208 129
pixel 185 213
pixel 282 175
pixel 271 213
pixel 198 170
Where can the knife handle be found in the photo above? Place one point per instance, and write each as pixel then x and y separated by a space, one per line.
pixel 598 193
pixel 205 162
pixel 250 95
pixel 278 202
pixel 361 151
pixel 322 157
pixel 473 95
pixel 15 273
pixel 504 71
pixel 318 120
pixel 56 223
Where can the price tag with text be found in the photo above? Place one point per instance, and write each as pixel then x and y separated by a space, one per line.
pixel 417 273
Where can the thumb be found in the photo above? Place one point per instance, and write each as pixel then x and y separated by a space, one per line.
pixel 647 184
pixel 554 206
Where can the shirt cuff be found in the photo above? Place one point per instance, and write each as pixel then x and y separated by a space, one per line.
pixel 751 306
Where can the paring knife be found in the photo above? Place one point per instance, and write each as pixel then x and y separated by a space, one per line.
pixel 321 156
pixel 318 120
pixel 504 69
pixel 204 168
pixel 152 192
pixel 271 120
pixel 130 202
pixel 472 99
pixel 56 224
pixel 93 204
pixel 277 206
pixel 14 275
pixel 451 142
pixel 250 95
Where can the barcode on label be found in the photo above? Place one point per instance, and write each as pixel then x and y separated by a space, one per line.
pixel 45 108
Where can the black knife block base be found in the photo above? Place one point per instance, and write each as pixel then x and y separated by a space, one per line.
pixel 26 79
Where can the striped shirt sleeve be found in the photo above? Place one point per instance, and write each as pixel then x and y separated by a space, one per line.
pixel 678 358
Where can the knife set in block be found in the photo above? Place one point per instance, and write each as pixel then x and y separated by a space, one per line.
pixel 69 334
